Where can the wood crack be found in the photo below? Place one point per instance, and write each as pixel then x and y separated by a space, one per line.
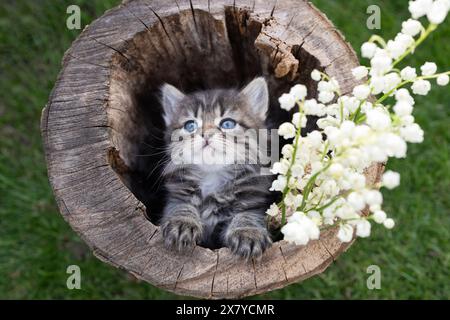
pixel 152 235
pixel 127 249
pixel 112 48
pixel 147 28
pixel 149 250
pixel 304 269
pixel 148 243
pixel 140 271
pixel 285 274
pixel 178 277
pixel 282 254
pixel 214 275
pixel 310 32
pixel 323 245
pixel 282 264
pixel 254 273
pixel 273 9
pixel 163 25
pixel 65 206
pixel 178 6
pixel 334 60
pixel 193 15
pixel 97 126
pixel 290 22
pixel 139 19
pixel 182 267
pixel 87 62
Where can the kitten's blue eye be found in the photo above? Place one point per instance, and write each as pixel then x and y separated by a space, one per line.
pixel 228 123
pixel 190 126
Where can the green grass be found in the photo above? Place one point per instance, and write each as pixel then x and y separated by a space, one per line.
pixel 36 245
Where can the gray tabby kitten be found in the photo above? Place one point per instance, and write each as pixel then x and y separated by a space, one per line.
pixel 212 201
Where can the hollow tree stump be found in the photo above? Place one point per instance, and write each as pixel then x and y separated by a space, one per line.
pixel 101 109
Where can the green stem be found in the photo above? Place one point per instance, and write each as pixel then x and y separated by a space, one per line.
pixel 325 150
pixel 333 200
pixel 377 38
pixel 358 110
pixel 434 76
pixel 289 171
pixel 387 95
pixel 421 39
pixel 310 185
pixel 341 111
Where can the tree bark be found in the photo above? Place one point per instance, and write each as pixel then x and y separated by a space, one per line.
pixel 95 112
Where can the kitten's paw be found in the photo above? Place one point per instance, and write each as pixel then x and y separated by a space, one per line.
pixel 181 232
pixel 249 242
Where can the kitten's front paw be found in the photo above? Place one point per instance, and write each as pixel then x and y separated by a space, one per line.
pixel 248 242
pixel 182 232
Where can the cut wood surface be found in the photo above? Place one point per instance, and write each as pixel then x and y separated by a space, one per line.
pixel 95 113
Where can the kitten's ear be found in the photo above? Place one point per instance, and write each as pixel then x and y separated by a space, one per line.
pixel 256 94
pixel 171 98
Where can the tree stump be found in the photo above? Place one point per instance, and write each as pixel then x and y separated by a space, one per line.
pixel 102 113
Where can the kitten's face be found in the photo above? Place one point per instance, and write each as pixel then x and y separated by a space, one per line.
pixel 215 127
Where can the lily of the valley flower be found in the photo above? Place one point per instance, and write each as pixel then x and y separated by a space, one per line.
pixel 321 175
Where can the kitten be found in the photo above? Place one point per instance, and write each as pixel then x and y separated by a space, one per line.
pixel 215 200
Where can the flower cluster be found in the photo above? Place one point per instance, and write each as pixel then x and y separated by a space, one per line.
pixel 321 175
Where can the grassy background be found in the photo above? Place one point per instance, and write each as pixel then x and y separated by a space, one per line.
pixel 36 245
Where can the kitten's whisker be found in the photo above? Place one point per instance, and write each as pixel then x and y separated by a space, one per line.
pixel 158 147
pixel 163 175
pixel 150 154
pixel 159 138
pixel 162 161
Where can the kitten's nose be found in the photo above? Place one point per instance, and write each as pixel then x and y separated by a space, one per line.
pixel 207 132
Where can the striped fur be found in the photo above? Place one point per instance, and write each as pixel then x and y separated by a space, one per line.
pixel 219 204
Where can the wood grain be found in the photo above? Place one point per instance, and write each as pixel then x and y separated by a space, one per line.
pixel 94 108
